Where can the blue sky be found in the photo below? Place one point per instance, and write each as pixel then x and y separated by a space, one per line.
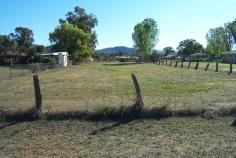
pixel 177 19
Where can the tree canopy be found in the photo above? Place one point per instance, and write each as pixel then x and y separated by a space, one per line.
pixel 221 39
pixel 86 22
pixel 218 41
pixel 24 38
pixel 75 35
pixel 168 50
pixel 72 39
pixel 7 45
pixel 145 37
pixel 231 27
pixel 188 47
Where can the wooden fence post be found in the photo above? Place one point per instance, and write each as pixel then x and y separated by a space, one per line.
pixel 22 69
pixel 139 101
pixel 176 64
pixel 197 64
pixel 159 63
pixel 182 64
pixel 189 64
pixel 166 62
pixel 38 96
pixel 170 62
pixel 217 67
pixel 207 66
pixel 230 69
pixel 163 62
pixel 10 72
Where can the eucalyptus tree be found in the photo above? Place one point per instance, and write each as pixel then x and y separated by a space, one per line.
pixel 145 37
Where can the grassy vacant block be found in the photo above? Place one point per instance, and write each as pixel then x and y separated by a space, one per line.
pixel 88 87
pixel 99 87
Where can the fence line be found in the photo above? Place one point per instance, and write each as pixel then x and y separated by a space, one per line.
pixel 17 70
pixel 196 67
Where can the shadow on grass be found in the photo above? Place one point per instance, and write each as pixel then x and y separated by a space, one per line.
pixel 109 127
pixel 14 117
pixel 8 124
pixel 121 114
pixel 121 64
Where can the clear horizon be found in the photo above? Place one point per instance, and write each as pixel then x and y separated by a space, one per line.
pixel 177 20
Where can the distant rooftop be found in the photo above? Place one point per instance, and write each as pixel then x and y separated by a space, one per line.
pixel 231 52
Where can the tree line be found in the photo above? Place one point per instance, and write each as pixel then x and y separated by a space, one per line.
pixel 75 35
pixel 219 41
pixel 19 42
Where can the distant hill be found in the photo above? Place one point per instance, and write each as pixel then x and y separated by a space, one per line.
pixel 123 49
pixel 116 50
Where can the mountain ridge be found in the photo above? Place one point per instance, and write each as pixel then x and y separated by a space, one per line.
pixel 123 49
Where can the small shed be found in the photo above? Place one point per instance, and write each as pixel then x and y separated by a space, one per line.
pixel 230 57
pixel 61 56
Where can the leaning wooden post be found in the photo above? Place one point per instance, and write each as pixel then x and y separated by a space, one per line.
pixel 176 64
pixel 197 64
pixel 170 62
pixel 38 96
pixel 189 64
pixel 139 101
pixel 207 66
pixel 230 69
pixel 217 67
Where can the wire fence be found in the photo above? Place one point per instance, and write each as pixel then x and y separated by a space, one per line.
pixel 205 66
pixel 17 70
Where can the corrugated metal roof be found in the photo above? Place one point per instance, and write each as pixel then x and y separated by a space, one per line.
pixel 55 53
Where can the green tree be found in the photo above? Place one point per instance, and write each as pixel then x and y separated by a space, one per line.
pixel 7 45
pixel 71 39
pixel 87 22
pixel 168 50
pixel 24 38
pixel 37 48
pixel 218 41
pixel 188 47
pixel 145 37
pixel 231 27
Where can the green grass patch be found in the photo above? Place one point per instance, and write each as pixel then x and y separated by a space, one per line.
pixel 87 87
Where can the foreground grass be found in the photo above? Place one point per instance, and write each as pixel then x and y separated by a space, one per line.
pixel 87 87
pixel 171 137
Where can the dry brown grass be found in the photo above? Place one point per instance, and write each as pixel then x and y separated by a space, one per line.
pixel 171 137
